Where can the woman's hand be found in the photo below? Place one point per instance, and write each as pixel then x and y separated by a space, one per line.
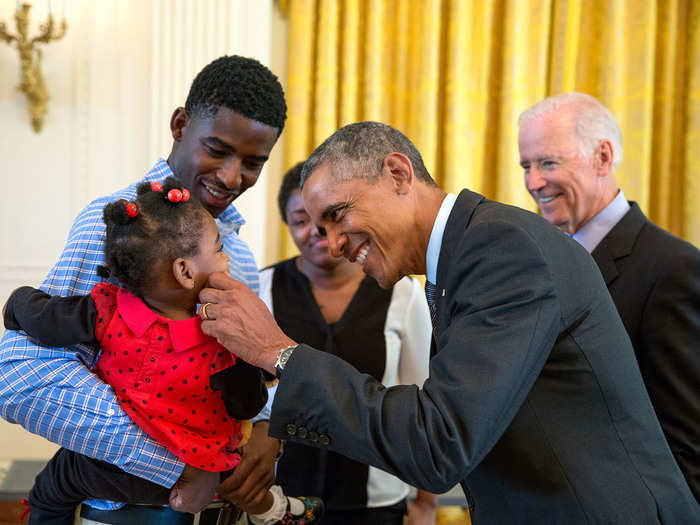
pixel 423 510
pixel 241 322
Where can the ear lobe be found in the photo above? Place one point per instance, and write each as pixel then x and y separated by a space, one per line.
pixel 184 273
pixel 178 122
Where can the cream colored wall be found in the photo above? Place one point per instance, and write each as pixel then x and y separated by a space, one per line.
pixel 114 80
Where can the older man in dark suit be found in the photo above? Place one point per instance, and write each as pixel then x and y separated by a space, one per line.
pixel 534 401
pixel 570 146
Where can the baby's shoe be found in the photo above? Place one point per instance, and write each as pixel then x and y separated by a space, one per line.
pixel 312 513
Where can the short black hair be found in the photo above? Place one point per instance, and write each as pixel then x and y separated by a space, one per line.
pixel 241 84
pixel 358 151
pixel 162 230
pixel 290 182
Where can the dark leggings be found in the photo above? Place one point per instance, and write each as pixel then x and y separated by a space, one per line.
pixel 70 478
pixel 392 515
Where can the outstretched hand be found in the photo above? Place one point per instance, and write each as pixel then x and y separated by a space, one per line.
pixel 241 322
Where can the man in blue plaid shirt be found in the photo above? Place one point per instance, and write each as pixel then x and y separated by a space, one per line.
pixel 233 115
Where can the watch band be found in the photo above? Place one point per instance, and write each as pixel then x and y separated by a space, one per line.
pixel 282 359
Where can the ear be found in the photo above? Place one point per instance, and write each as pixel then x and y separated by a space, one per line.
pixel 184 273
pixel 399 168
pixel 178 122
pixel 604 158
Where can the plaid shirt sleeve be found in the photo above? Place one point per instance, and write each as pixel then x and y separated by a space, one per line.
pixel 51 392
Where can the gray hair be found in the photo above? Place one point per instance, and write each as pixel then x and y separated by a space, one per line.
pixel 594 122
pixel 359 150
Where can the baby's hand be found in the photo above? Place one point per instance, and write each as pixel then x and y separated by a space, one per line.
pixel 194 490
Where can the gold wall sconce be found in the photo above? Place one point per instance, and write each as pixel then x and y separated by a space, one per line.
pixel 31 80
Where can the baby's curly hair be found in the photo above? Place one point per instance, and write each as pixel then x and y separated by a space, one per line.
pixel 162 230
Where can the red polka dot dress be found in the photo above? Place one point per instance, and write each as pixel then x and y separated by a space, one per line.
pixel 159 369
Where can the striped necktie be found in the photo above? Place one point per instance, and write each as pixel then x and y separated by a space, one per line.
pixel 431 296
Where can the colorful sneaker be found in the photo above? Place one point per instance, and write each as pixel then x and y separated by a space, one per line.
pixel 313 511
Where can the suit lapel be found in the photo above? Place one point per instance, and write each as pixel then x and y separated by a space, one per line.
pixel 618 243
pixel 605 261
pixel 462 211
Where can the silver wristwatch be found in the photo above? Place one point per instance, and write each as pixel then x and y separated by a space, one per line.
pixel 282 359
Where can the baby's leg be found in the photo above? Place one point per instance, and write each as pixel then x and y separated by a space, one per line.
pixel 71 478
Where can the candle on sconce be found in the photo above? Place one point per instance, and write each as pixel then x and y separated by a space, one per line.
pixel 18 5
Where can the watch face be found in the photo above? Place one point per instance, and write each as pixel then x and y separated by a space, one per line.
pixel 284 357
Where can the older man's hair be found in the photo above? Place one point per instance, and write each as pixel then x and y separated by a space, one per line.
pixel 593 121
pixel 358 151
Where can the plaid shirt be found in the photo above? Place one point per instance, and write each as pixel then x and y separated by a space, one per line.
pixel 51 392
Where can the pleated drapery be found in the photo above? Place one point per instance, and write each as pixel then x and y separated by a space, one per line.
pixel 454 75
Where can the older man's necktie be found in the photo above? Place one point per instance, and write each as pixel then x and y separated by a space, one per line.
pixel 431 296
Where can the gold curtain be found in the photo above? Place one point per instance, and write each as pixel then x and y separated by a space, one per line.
pixel 454 75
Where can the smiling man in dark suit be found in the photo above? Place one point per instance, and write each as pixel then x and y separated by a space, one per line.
pixel 534 401
pixel 570 146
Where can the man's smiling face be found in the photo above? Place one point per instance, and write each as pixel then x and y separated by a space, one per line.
pixel 564 183
pixel 219 158
pixel 365 221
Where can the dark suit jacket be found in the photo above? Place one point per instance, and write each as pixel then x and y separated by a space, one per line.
pixel 654 280
pixel 534 401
